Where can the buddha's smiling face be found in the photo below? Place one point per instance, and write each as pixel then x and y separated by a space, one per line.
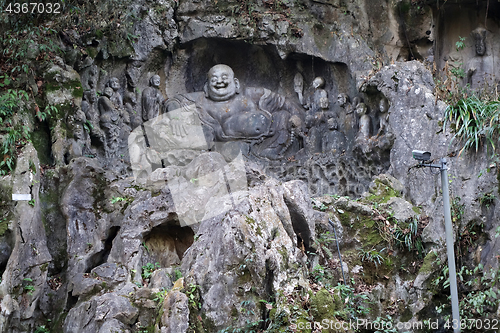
pixel 221 83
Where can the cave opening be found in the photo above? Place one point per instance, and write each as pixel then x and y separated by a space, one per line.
pixel 166 244
pixel 101 257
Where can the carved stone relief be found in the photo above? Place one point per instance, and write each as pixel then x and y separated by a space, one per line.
pixel 272 123
pixel 151 99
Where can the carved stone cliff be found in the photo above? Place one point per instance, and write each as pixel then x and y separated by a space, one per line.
pixel 170 188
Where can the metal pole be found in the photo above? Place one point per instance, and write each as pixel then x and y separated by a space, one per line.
pixel 449 247
pixel 338 250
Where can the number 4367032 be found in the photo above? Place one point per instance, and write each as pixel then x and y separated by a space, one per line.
pixel 33 8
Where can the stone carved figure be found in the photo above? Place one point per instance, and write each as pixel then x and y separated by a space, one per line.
pixel 110 121
pixel 131 98
pixel 364 121
pixel 364 126
pixel 296 133
pixel 230 112
pixel 115 98
pixel 479 36
pixel 346 111
pixel 479 68
pixel 383 115
pixel 343 100
pixel 333 139
pixel 151 99
pixel 93 77
pixel 318 99
pixel 80 143
pixel 298 87
pixel 89 108
pixel 317 115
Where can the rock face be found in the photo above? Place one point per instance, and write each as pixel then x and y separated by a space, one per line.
pixel 171 189
pixel 247 255
pixel 25 273
pixel 241 256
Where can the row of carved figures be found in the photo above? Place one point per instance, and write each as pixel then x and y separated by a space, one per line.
pixel 320 121
pixel 110 118
pixel 107 120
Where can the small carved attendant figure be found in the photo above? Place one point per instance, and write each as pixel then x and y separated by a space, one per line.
pixel 319 97
pixel 296 133
pixel 151 99
pixel 80 143
pixel 364 122
pixel 333 139
pixel 89 108
pixel 343 100
pixel 346 111
pixel 93 76
pixel 298 86
pixel 383 115
pixel 115 98
pixel 316 116
pixel 480 68
pixel 110 122
pixel 131 97
pixel 317 103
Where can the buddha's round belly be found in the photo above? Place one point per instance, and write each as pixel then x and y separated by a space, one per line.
pixel 247 124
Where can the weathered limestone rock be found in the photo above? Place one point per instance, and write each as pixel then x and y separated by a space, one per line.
pixel 26 271
pixel 175 318
pixel 299 205
pixel 113 326
pixel 85 220
pixel 403 210
pixel 245 255
pixel 90 315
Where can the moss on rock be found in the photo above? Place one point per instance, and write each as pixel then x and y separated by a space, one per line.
pixel 381 193
pixel 430 263
pixel 323 305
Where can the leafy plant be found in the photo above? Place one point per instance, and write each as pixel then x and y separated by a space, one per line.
pixel 457 209
pixel 145 247
pixel 132 38
pixel 356 305
pixel 480 298
pixel 323 243
pixel 319 205
pixel 42 329
pixel 487 199
pixel 372 256
pixel 177 274
pixel 386 325
pixel 19 41
pixel 29 288
pixel 474 121
pixel 48 111
pixel 458 72
pixel 460 44
pixel 160 296
pixel 148 269
pixel 14 134
pixel 407 237
pixel 191 293
pixel 320 275
pixel 117 199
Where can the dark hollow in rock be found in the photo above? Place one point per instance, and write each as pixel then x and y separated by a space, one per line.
pixel 166 244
